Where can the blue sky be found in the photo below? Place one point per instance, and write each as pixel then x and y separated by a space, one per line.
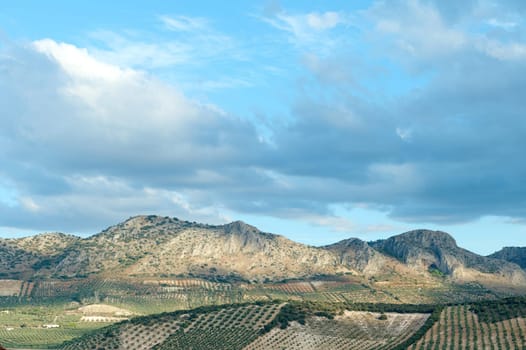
pixel 317 120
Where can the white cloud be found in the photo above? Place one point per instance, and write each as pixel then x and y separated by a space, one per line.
pixel 196 45
pixel 184 23
pixel 154 109
pixel 78 131
pixel 417 28
pixel 82 126
pixel 418 31
pixel 307 27
pixel 323 21
pixel 503 51
pixel 79 64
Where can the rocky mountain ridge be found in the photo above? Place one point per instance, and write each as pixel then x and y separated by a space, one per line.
pixel 153 246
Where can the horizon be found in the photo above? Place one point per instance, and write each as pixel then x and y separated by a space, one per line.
pixel 319 122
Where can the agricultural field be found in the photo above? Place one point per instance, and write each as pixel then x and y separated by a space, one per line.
pixel 274 325
pixel 265 325
pixel 28 306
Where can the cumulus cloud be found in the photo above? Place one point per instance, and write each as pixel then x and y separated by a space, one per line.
pixel 69 117
pixel 439 153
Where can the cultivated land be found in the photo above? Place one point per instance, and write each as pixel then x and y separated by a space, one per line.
pixel 56 287
pixel 313 325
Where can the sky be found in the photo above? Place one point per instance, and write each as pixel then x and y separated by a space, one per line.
pixel 313 119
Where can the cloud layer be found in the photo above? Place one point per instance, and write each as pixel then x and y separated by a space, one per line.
pixel 414 108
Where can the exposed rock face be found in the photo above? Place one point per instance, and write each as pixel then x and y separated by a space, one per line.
pixel 515 255
pixel 358 255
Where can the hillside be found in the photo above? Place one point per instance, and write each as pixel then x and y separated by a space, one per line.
pixel 516 255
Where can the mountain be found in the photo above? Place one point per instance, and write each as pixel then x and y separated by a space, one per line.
pixel 515 255
pixel 438 252
pixel 144 246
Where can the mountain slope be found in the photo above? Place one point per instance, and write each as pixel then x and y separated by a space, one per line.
pixel 516 255
pixel 239 249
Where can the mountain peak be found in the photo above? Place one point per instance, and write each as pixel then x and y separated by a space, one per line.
pixel 414 244
pixel 427 238
pixel 240 227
